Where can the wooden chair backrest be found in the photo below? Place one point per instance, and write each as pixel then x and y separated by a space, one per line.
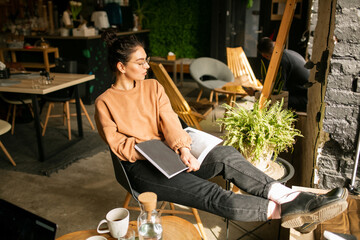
pixel 178 102
pixel 276 56
pixel 239 64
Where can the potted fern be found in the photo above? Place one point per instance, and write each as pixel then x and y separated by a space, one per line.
pixel 260 134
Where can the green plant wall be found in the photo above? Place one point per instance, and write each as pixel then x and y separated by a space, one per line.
pixel 179 26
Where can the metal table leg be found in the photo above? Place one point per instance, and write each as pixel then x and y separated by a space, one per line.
pixel 227 187
pixel 78 111
pixel 35 105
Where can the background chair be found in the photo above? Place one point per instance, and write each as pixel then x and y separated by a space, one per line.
pixel 240 67
pixel 14 100
pixel 210 73
pixel 191 112
pixel 123 180
pixel 4 128
pixel 66 97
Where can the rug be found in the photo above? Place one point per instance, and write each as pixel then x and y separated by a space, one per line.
pixel 59 151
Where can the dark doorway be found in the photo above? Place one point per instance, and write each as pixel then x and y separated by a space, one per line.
pixel 234 25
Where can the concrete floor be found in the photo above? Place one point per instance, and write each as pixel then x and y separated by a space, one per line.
pixel 78 197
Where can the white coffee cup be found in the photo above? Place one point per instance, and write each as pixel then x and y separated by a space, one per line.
pixel 117 221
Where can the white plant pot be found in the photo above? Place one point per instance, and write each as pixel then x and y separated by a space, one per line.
pixel 267 165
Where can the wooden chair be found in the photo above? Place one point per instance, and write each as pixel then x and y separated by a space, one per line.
pixel 65 97
pixel 123 180
pixel 191 112
pixel 240 67
pixel 4 128
pixel 13 106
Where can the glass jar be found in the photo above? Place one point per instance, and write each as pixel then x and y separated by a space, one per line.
pixel 149 220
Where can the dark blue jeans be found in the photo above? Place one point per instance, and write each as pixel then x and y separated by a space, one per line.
pixel 194 190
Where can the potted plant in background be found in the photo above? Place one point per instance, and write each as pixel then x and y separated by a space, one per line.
pixel 140 12
pixel 75 8
pixel 260 134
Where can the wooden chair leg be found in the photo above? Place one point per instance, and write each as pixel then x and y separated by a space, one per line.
pixel 200 93
pixel 51 105
pixel 64 114
pixel 162 207
pixel 199 223
pixel 68 119
pixel 9 112
pixel 7 154
pixel 127 200
pixel 13 120
pixel 32 114
pixel 31 110
pixel 211 96
pixel 197 125
pixel 86 114
pixel 232 100
pixel 172 206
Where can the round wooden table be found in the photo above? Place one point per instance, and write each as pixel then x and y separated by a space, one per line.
pixel 174 228
pixel 232 90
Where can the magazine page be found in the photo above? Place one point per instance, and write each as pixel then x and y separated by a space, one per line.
pixel 202 142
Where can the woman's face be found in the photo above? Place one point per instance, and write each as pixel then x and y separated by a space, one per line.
pixel 136 68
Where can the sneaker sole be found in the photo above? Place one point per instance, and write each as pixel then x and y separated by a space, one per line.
pixel 307 227
pixel 319 215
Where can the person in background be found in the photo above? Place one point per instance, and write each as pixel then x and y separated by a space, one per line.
pixel 293 73
pixel 134 110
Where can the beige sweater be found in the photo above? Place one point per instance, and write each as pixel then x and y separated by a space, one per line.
pixel 127 117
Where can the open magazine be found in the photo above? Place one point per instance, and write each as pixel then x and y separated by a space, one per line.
pixel 202 143
pixel 169 162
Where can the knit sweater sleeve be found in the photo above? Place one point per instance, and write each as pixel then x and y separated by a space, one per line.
pixel 170 124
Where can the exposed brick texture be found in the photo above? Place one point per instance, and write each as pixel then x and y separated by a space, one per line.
pixel 342 99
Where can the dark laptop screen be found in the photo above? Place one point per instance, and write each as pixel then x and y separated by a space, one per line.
pixel 18 224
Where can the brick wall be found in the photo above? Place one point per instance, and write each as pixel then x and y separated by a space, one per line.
pixel 341 121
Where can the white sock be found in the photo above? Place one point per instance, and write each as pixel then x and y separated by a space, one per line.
pixel 274 210
pixel 280 194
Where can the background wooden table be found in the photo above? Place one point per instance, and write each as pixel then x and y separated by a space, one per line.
pixel 232 90
pixel 172 63
pixel 60 81
pixel 45 64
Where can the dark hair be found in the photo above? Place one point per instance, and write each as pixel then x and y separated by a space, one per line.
pixel 265 45
pixel 119 48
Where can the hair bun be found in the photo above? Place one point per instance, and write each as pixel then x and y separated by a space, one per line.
pixel 109 37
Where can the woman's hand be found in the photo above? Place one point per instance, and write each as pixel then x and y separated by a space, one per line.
pixel 189 160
